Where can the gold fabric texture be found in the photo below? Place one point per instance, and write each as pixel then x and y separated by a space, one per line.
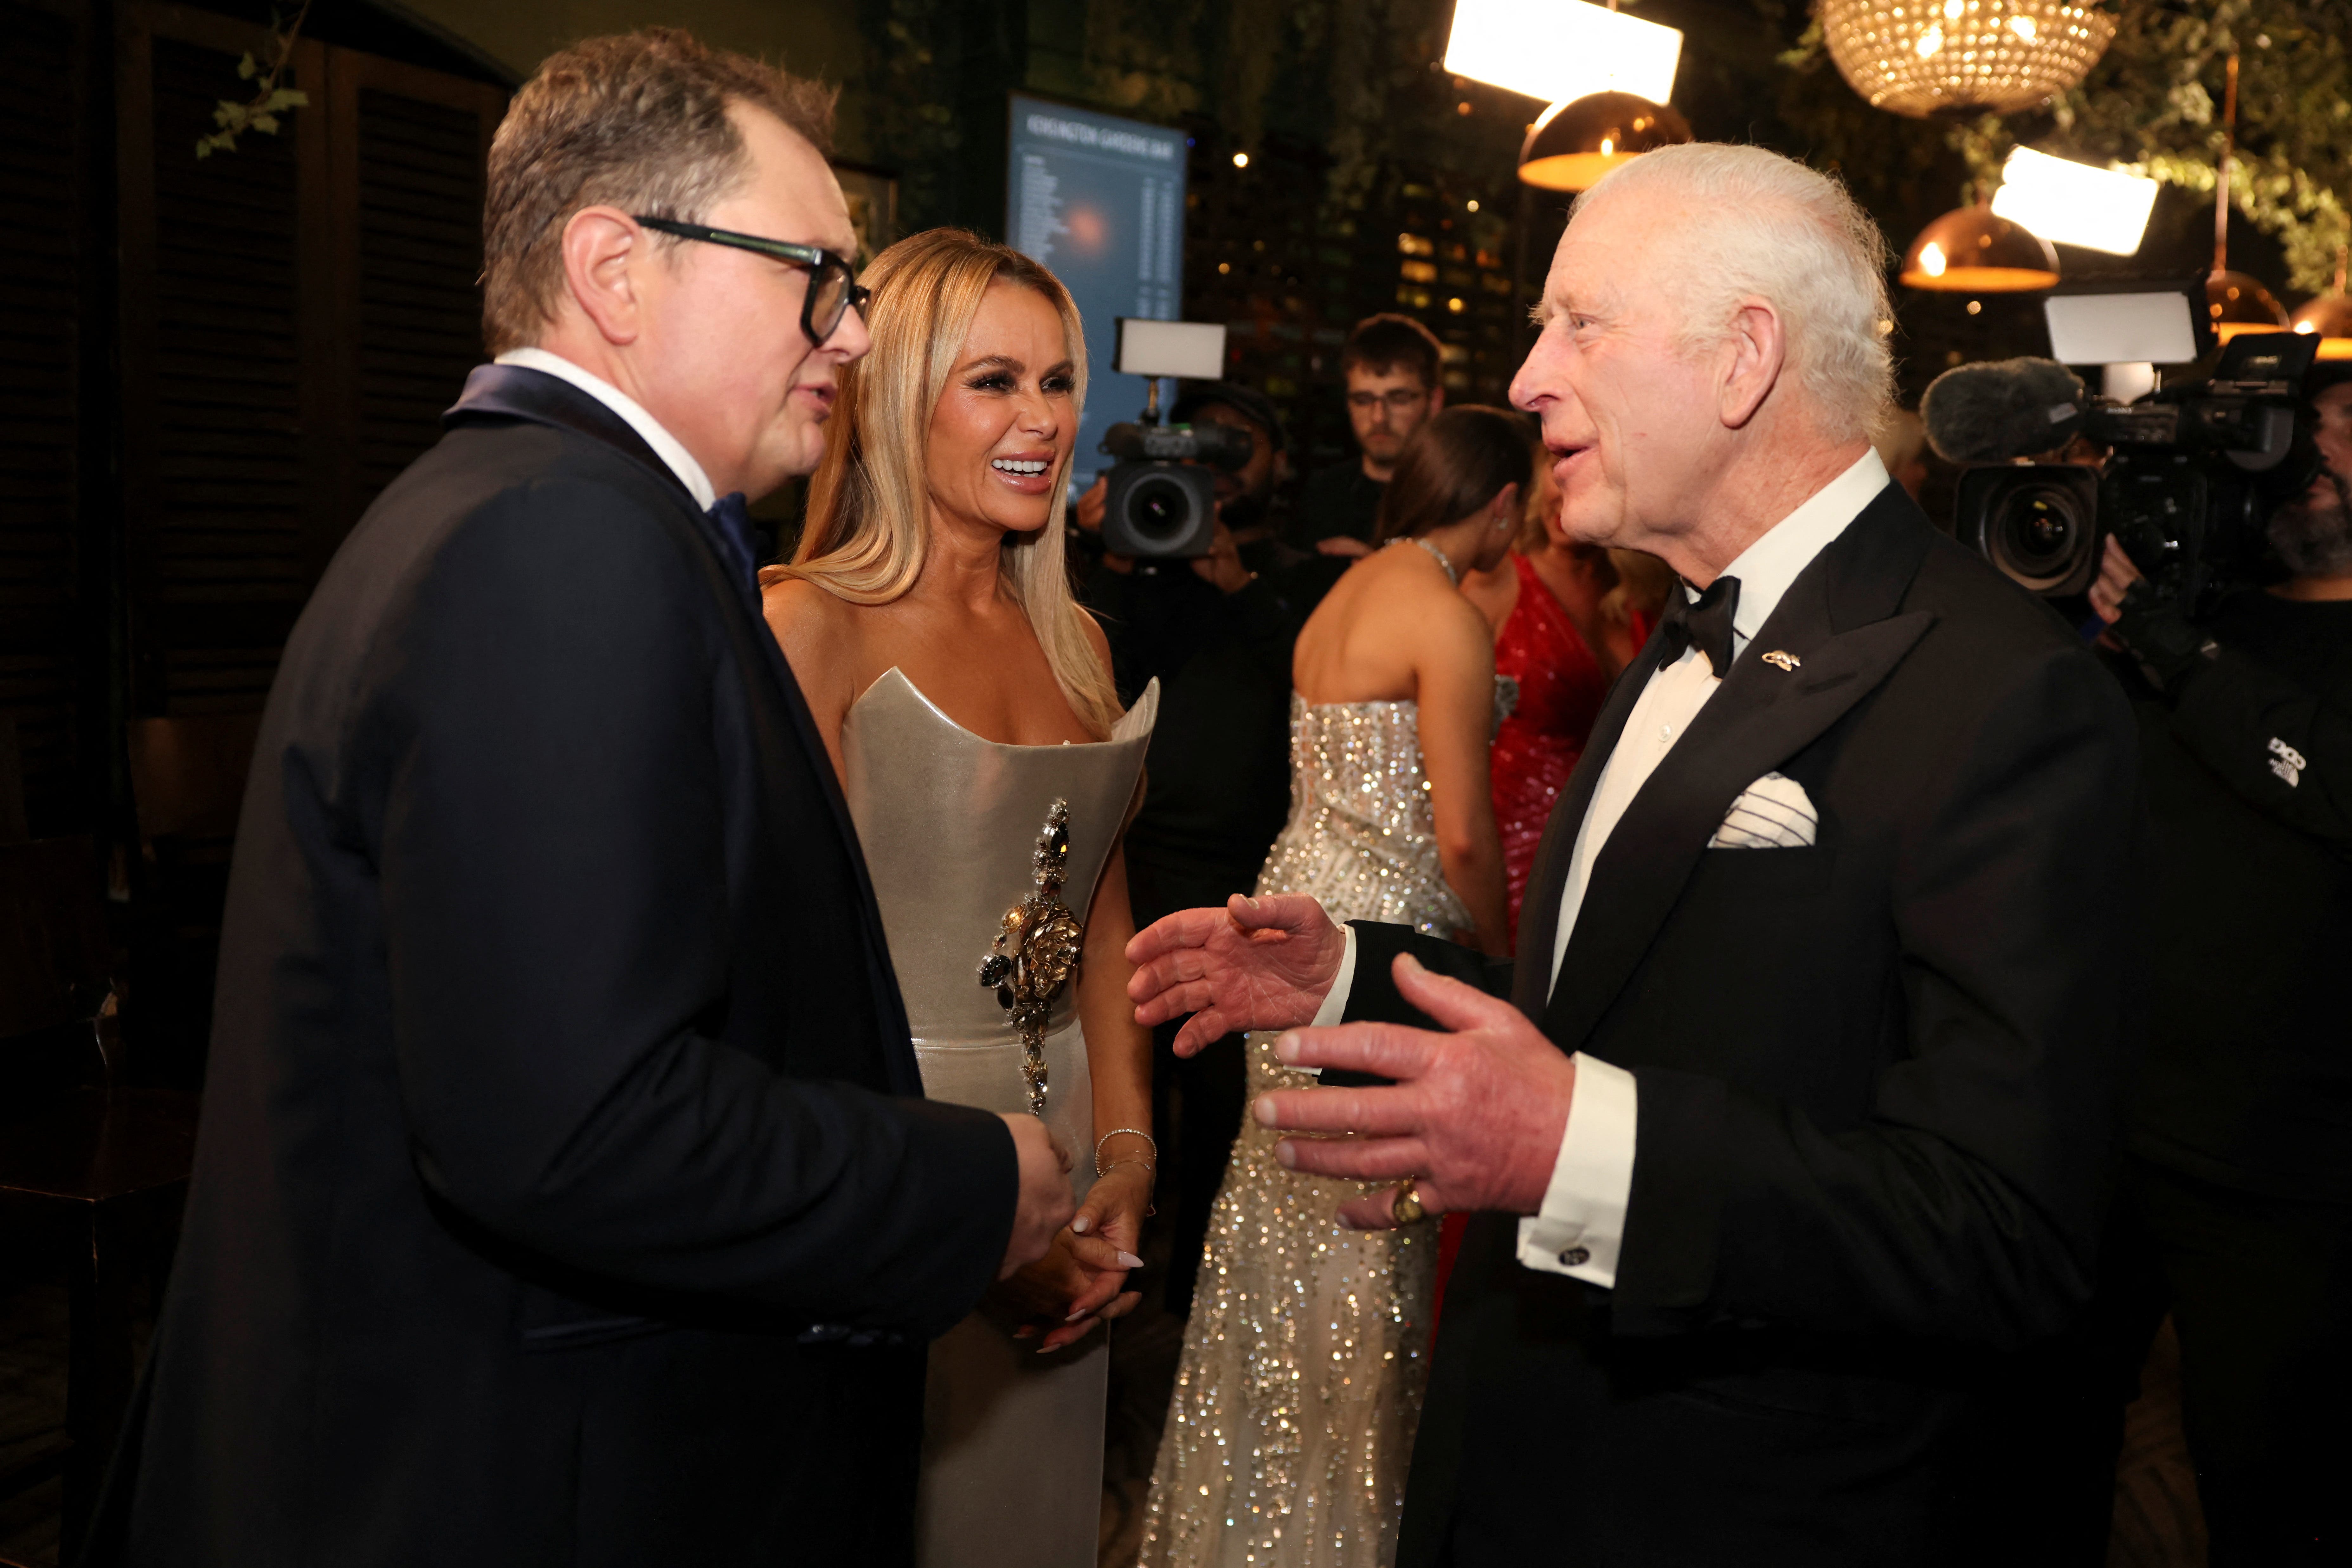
pixel 1291 1431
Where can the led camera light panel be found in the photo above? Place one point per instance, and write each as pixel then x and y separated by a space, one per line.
pixel 1100 200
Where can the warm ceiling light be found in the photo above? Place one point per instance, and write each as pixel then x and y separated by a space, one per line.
pixel 1576 142
pixel 1241 160
pixel 2074 204
pixel 2330 316
pixel 1944 57
pixel 1561 49
pixel 2238 302
pixel 1973 250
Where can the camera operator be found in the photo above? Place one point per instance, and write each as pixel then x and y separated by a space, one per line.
pixel 1390 363
pixel 1216 631
pixel 2236 1208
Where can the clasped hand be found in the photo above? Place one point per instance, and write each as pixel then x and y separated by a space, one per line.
pixel 1080 1280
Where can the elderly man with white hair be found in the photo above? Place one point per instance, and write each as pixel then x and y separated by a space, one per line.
pixel 1788 1142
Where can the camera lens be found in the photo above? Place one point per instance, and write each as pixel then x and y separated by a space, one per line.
pixel 1159 509
pixel 2039 535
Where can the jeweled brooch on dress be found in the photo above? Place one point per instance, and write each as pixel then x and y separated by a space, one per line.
pixel 1036 952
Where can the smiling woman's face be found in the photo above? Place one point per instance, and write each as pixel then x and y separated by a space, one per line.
pixel 1007 415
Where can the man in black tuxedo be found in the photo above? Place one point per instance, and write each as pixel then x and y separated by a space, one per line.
pixel 564 1193
pixel 1795 1127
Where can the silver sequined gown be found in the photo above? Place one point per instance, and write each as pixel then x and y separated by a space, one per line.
pixel 1012 1441
pixel 1292 1426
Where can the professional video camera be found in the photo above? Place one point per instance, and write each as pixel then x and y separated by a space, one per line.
pixel 1161 503
pixel 2192 475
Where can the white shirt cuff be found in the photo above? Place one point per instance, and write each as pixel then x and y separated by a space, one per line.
pixel 1581 1225
pixel 1336 1005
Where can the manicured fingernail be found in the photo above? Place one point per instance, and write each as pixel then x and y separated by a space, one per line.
pixel 1078 1226
pixel 1287 1048
pixel 1250 901
pixel 1129 1261
pixel 1408 958
pixel 1263 1108
pixel 1025 1332
pixel 1286 1155
pixel 1081 1312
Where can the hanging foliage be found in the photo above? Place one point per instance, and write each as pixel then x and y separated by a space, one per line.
pixel 260 112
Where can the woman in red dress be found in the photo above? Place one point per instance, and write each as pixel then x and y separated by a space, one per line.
pixel 1567 618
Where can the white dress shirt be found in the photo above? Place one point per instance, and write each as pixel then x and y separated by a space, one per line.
pixel 664 445
pixel 1581 1224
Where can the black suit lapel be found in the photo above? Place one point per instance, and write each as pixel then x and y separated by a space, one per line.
pixel 506 392
pixel 1838 619
pixel 1547 876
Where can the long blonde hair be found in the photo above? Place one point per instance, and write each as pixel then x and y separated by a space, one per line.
pixel 869 508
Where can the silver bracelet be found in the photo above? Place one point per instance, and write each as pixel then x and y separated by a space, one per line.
pixel 1132 1132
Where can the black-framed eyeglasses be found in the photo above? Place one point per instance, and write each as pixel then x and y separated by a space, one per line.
pixel 833 291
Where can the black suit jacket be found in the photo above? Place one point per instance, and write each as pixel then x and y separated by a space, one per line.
pixel 1876 1081
pixel 560 1198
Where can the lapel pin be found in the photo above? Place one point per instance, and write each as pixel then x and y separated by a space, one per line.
pixel 1787 662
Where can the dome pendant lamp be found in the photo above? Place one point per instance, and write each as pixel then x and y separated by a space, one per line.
pixel 2330 315
pixel 1577 141
pixel 1974 250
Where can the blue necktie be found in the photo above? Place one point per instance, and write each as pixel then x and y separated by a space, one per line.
pixel 733 520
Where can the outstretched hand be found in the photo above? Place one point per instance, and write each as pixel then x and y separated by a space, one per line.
pixel 1476 1114
pixel 1257 964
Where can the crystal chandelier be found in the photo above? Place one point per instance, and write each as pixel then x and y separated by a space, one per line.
pixel 1955 58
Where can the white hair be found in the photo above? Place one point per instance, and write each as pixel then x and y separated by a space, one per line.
pixel 1756 225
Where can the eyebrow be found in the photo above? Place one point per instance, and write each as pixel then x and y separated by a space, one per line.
pixel 1006 362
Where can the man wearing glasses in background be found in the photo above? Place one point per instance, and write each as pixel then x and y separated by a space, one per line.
pixel 564 1193
pixel 1390 363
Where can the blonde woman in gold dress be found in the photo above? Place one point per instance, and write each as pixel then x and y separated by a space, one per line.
pixel 967 704
pixel 1305 1358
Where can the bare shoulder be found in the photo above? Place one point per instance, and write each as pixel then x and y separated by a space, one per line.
pixel 1458 631
pixel 798 611
pixel 818 632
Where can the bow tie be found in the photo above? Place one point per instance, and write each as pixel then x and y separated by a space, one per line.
pixel 733 519
pixel 1704 622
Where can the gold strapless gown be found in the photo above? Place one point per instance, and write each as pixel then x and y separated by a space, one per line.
pixel 1291 1431
pixel 1012 1441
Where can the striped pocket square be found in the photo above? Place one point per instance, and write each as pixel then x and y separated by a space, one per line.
pixel 1773 813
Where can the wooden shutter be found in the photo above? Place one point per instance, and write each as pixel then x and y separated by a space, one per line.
pixel 42 637
pixel 224 324
pixel 410 147
pixel 296 314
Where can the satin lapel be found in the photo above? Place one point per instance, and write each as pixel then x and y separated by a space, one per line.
pixel 1547 874
pixel 1837 619
pixel 516 392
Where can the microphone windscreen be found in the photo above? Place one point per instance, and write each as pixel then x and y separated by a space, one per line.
pixel 2009 408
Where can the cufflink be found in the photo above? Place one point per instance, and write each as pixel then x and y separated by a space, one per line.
pixel 1574 1256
